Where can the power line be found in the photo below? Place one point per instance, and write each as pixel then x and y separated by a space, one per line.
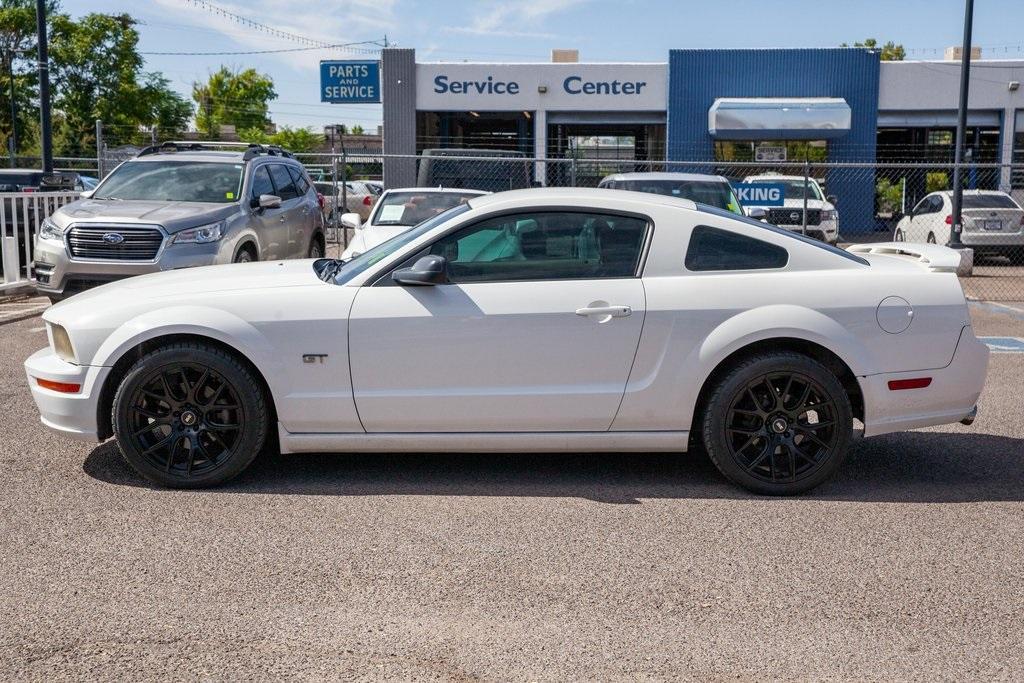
pixel 250 23
pixel 347 47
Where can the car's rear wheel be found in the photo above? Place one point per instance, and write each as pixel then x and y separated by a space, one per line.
pixel 931 238
pixel 778 423
pixel 316 247
pixel 898 236
pixel 189 415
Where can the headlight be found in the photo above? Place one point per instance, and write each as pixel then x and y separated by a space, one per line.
pixel 829 215
pixel 48 230
pixel 200 235
pixel 62 344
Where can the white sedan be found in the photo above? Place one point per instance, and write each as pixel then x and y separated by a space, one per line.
pixel 532 320
pixel 398 210
pixel 993 223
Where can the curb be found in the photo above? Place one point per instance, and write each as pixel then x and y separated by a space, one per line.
pixel 15 316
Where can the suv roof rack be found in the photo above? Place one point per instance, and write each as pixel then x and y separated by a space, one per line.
pixel 252 149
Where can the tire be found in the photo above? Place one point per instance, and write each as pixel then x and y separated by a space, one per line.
pixel 771 446
pixel 54 298
pixel 316 247
pixel 898 236
pixel 189 416
pixel 931 238
pixel 244 255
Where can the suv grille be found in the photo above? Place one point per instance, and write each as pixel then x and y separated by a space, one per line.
pixel 136 244
pixel 793 216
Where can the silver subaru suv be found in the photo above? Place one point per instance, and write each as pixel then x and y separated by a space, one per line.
pixel 178 205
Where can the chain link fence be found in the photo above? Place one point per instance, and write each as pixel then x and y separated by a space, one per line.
pixel 841 202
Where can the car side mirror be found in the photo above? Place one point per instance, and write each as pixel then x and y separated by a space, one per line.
pixel 351 221
pixel 831 199
pixel 86 194
pixel 757 213
pixel 428 270
pixel 267 201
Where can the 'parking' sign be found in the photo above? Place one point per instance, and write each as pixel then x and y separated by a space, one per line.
pixel 760 194
pixel 346 82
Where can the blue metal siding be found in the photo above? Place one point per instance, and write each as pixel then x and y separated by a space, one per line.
pixel 697 77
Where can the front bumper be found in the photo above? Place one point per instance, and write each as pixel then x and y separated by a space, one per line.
pixel 951 396
pixel 72 414
pixel 825 231
pixel 60 275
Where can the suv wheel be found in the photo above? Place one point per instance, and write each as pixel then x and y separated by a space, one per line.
pixel 778 423
pixel 316 247
pixel 244 255
pixel 189 415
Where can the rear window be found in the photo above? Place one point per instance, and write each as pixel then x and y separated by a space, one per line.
pixel 779 231
pixel 989 201
pixel 410 208
pixel 712 193
pixel 716 249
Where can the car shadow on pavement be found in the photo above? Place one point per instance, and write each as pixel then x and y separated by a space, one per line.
pixel 919 467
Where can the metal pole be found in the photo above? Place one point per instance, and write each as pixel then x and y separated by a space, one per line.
pixel 961 127
pixel 334 199
pixel 344 184
pixel 12 142
pixel 99 149
pixel 807 183
pixel 45 133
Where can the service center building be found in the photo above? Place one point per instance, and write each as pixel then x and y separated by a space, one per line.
pixel 707 106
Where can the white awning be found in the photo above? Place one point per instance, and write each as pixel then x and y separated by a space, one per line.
pixel 779 118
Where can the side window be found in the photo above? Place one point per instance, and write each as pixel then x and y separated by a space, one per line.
pixel 302 187
pixel 283 182
pixel 544 246
pixel 715 249
pixel 261 183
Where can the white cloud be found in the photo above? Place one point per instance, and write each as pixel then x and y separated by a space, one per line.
pixel 515 18
pixel 340 21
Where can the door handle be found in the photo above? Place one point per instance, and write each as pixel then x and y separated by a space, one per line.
pixel 611 311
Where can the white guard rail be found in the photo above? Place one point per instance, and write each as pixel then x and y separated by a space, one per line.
pixel 20 215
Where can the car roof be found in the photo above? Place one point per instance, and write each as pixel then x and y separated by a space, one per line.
pixel 436 190
pixel 651 175
pixel 949 193
pixel 554 194
pixel 779 176
pixel 197 155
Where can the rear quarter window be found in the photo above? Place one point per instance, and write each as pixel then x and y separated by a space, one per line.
pixel 712 249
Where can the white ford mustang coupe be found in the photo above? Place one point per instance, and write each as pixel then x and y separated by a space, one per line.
pixel 531 320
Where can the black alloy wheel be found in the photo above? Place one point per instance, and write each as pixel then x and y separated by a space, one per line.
pixel 189 415
pixel 778 424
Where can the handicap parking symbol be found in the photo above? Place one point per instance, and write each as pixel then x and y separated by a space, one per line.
pixel 1004 344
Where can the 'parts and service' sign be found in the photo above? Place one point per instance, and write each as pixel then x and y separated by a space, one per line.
pixel 348 82
pixel 760 194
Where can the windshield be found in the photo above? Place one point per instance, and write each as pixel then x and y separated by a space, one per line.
pixel 411 208
pixel 174 181
pixel 712 193
pixel 373 256
pixel 793 187
pixel 989 201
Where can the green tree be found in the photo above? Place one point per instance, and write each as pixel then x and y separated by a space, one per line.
pixel 97 74
pixel 358 130
pixel 297 139
pixel 17 56
pixel 237 98
pixel 891 52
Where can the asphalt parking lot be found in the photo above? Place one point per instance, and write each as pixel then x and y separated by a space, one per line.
pixel 542 567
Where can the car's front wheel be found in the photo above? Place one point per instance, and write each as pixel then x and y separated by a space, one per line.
pixel 316 247
pixel 778 423
pixel 189 415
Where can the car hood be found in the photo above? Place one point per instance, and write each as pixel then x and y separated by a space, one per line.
pixel 371 236
pixel 173 216
pixel 184 285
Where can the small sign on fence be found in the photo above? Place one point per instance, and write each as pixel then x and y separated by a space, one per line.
pixel 760 194
pixel 769 153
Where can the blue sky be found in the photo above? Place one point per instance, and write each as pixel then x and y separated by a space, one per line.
pixel 526 30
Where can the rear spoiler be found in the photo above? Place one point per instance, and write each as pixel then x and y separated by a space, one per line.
pixel 935 257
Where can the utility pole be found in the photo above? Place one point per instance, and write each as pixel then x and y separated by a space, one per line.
pixel 12 142
pixel 46 132
pixel 961 128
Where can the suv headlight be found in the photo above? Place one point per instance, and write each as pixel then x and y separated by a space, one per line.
pixel 829 215
pixel 48 230
pixel 200 235
pixel 62 344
